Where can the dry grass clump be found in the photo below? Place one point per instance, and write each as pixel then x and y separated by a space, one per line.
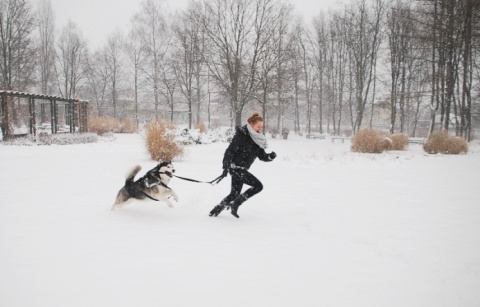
pixel 201 127
pixel 399 141
pixel 457 145
pixel 441 142
pixel 102 125
pixel 129 126
pixel 160 143
pixel 370 141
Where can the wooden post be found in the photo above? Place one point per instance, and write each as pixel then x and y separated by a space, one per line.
pixel 54 114
pixel 2 114
pixel 7 130
pixel 83 117
pixel 32 114
pixel 52 122
pixel 43 113
pixel 72 116
pixel 55 111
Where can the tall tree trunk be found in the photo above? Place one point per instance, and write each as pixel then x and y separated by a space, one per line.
pixel 450 78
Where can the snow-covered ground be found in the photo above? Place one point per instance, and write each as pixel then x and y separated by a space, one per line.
pixel 330 228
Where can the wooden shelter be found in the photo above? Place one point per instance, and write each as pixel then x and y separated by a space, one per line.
pixel 44 109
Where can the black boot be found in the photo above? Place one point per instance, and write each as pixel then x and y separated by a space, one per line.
pixel 236 203
pixel 217 209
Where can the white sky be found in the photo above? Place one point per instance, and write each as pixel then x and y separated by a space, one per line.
pixel 99 18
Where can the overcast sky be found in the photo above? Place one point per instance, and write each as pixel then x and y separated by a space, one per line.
pixel 99 18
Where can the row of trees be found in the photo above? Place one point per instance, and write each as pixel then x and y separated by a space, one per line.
pixel 347 68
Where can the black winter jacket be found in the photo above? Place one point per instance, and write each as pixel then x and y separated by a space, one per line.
pixel 242 151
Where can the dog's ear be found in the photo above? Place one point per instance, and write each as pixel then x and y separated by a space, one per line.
pixel 162 164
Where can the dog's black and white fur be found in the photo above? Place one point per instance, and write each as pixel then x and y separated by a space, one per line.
pixel 153 185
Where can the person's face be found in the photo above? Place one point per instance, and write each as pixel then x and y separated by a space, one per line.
pixel 258 126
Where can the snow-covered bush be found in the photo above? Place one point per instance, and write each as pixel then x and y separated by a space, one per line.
pixel 72 138
pixel 213 136
pixel 187 136
pixel 44 138
pixel 441 142
pixel 160 142
pixel 195 136
pixel 370 141
pixel 66 138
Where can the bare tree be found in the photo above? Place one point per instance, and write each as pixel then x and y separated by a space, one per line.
pixel 320 55
pixel 283 50
pixel 307 68
pixel 135 53
pixel 363 41
pixel 46 58
pixel 71 59
pixel 449 29
pixel 17 53
pixel 112 53
pixel 339 50
pixel 467 34
pixel 400 37
pixel 272 61
pixel 188 54
pixel 169 85
pixel 331 64
pixel 97 80
pixel 155 37
pixel 238 35
pixel 296 71
pixel 17 49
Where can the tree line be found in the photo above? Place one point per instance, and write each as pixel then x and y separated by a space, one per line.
pixel 350 67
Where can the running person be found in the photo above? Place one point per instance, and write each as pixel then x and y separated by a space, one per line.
pixel 247 144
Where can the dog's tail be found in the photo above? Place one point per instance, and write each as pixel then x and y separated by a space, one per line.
pixel 132 173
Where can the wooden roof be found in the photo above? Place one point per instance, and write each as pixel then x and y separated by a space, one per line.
pixel 37 96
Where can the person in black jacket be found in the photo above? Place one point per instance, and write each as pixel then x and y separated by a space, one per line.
pixel 247 144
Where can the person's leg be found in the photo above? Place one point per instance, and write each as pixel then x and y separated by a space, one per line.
pixel 237 185
pixel 255 187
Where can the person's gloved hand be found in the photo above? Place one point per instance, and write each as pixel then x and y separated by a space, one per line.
pixel 273 155
pixel 225 172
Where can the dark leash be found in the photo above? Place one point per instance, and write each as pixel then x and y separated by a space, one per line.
pixel 213 182
pixel 149 196
pixel 152 198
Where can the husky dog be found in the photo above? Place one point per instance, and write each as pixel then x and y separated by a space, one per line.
pixel 153 185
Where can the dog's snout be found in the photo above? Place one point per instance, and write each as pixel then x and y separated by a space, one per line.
pixel 173 170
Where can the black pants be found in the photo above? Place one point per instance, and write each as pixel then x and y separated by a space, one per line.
pixel 239 178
